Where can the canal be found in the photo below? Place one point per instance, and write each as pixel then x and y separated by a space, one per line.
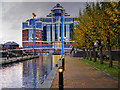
pixel 27 74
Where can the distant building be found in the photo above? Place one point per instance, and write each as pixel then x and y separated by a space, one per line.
pixel 10 45
pixel 48 28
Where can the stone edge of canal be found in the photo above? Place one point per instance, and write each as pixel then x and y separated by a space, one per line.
pixel 17 60
pixel 48 81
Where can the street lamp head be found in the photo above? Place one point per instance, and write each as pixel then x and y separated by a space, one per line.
pixel 34 14
pixel 64 37
pixel 59 37
pixel 60 69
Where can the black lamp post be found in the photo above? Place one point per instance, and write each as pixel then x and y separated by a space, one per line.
pixel 60 78
pixel 63 63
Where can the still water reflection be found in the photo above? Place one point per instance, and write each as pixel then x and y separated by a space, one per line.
pixel 27 74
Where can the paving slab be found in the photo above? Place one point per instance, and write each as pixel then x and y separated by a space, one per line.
pixel 78 74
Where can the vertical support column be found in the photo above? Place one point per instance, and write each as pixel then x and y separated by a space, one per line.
pixel 53 29
pixel 62 36
pixel 48 33
pixel 63 26
pixel 53 32
pixel 58 30
pixel 34 34
pixel 68 31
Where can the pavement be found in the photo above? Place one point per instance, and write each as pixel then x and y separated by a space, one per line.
pixel 78 74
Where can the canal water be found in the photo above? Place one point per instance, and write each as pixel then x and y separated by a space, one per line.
pixel 27 74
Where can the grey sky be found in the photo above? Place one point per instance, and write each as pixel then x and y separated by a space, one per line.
pixel 13 14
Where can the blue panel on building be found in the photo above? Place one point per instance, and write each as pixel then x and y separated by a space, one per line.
pixel 38 25
pixel 30 22
pixel 25 25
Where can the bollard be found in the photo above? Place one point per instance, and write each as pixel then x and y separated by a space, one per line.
pixel 60 78
pixel 63 64
pixel 56 65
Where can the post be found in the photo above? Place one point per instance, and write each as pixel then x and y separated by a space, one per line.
pixel 62 35
pixel 63 63
pixel 60 78
pixel 34 34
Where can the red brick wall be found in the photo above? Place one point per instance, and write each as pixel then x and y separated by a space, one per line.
pixel 24 35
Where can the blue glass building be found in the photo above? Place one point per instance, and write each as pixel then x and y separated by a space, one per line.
pixel 49 28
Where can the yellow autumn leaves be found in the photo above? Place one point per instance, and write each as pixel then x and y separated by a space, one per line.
pixel 100 21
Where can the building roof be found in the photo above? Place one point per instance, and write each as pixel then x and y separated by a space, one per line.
pixel 11 43
pixel 58 6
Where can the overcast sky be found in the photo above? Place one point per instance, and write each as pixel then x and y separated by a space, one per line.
pixel 13 13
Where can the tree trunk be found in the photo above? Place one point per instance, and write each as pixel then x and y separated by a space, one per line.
pixel 90 54
pixel 110 56
pixel 101 56
pixel 87 54
pixel 109 50
pixel 84 53
pixel 94 53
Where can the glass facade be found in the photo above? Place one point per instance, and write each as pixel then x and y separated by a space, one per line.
pixel 50 26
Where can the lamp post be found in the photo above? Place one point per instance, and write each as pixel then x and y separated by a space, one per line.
pixel 62 35
pixel 34 34
pixel 60 78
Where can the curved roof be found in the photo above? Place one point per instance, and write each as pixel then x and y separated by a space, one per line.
pixel 11 43
pixel 58 6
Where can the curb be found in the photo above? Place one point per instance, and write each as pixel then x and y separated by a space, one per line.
pixel 48 81
pixel 17 60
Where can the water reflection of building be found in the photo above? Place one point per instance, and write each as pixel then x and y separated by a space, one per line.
pixel 55 59
pixel 49 64
pixel 36 70
pixel 44 64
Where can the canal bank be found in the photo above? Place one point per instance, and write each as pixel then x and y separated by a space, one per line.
pixel 48 82
pixel 18 59
pixel 78 74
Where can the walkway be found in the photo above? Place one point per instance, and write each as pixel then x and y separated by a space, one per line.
pixel 78 74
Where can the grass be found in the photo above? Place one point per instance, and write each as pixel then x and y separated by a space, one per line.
pixel 113 71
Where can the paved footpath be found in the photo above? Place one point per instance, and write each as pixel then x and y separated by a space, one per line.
pixel 78 74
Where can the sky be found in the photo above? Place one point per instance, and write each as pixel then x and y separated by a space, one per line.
pixel 13 13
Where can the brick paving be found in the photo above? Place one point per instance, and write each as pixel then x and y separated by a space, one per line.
pixel 78 74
